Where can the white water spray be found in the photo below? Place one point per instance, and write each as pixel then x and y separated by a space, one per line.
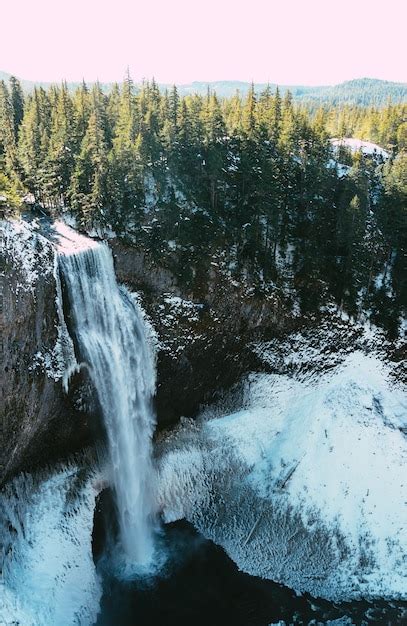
pixel 109 332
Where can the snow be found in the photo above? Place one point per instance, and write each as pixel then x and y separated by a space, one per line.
pixel 341 169
pixel 27 251
pixel 367 147
pixel 70 219
pixel 48 574
pixel 304 484
pixel 180 321
pixel 151 334
pixel 50 362
pixel 315 349
pixel 318 427
pixel 29 198
pixel 151 194
pixel 69 241
pixel 33 256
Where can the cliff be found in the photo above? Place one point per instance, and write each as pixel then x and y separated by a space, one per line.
pixel 202 346
pixel 206 341
pixel 39 421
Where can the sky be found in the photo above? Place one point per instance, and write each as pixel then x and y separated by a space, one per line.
pixel 177 41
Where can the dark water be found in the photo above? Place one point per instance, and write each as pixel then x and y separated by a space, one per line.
pixel 201 586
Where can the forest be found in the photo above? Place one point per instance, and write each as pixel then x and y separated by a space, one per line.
pixel 250 184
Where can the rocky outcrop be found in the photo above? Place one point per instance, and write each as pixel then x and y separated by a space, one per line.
pixel 203 339
pixel 202 345
pixel 39 421
pixel 206 341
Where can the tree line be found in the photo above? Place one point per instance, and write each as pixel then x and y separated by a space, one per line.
pixel 251 183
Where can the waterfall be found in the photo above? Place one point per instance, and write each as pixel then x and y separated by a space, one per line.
pixel 109 333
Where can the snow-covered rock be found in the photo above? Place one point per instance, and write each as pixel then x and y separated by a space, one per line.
pixel 305 484
pixel 39 420
pixel 28 251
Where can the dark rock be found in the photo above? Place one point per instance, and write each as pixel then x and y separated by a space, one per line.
pixel 39 422
pixel 203 342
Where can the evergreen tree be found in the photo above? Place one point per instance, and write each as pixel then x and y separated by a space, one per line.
pixel 125 168
pixel 34 144
pixel 81 114
pixel 89 188
pixel 60 157
pixel 213 148
pixel 17 103
pixel 7 135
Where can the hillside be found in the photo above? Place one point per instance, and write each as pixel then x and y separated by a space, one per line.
pixel 363 91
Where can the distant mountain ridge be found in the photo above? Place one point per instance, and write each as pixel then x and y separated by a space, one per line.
pixel 361 91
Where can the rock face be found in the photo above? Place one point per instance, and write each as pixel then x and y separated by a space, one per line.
pixel 203 341
pixel 202 345
pixel 39 421
pixel 206 341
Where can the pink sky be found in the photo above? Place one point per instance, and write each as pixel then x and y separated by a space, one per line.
pixel 283 41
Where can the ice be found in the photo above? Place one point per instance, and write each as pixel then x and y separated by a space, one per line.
pixel 48 574
pixel 305 484
pixel 69 241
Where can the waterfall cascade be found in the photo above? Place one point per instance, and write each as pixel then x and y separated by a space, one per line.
pixel 109 333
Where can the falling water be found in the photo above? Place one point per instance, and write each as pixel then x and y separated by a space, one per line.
pixel 109 332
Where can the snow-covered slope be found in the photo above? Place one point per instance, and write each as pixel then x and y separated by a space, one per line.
pixel 354 145
pixel 305 484
pixel 47 572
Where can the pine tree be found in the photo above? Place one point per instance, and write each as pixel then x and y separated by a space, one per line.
pixel 34 142
pixel 89 184
pixel 81 113
pixel 60 157
pixel 124 166
pixel 17 103
pixel 7 134
pixel 249 115
pixel 214 150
